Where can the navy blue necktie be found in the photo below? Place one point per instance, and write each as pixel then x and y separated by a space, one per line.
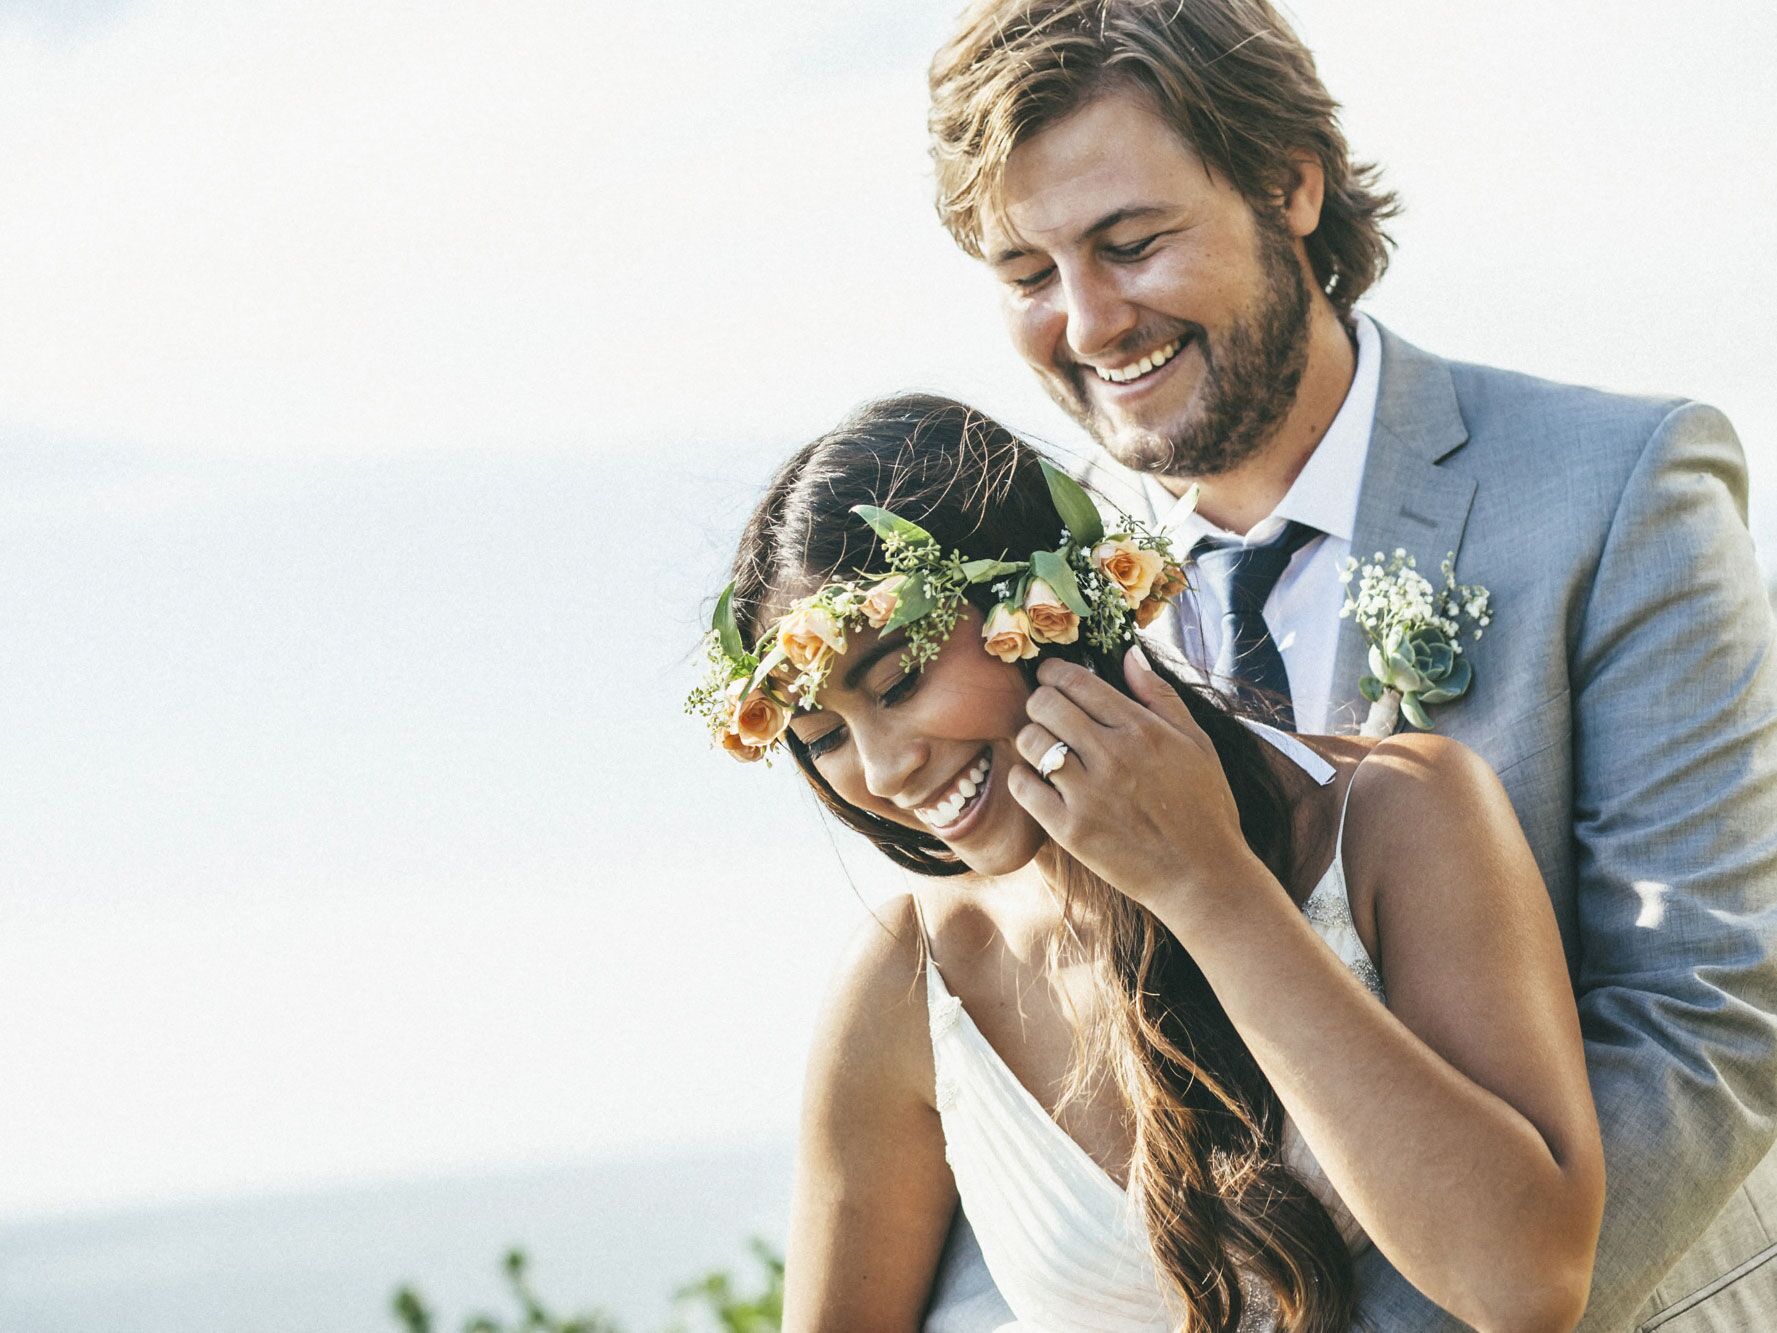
pixel 1248 663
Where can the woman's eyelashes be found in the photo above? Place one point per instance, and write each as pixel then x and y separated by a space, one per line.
pixel 825 743
pixel 899 689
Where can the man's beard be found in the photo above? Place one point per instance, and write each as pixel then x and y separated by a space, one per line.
pixel 1249 379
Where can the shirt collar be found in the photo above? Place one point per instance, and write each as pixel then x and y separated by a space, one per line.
pixel 1325 493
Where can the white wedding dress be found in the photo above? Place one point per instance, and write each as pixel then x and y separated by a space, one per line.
pixel 1046 1241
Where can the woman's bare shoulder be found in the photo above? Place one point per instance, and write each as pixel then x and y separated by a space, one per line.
pixel 1412 777
pixel 874 1025
pixel 1424 814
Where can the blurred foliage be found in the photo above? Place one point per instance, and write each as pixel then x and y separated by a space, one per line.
pixel 711 1302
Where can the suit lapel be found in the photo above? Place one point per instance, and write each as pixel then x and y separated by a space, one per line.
pixel 1405 499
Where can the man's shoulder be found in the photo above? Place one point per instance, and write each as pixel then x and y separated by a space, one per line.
pixel 1504 410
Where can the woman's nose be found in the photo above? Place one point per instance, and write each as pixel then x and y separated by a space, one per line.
pixel 889 758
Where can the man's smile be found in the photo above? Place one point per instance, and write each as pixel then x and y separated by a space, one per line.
pixel 1132 371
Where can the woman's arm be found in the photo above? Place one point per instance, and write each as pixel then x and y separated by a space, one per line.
pixel 873 1195
pixel 1456 1123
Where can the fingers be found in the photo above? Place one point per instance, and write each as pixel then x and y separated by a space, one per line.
pixel 1098 699
pixel 1038 797
pixel 1034 741
pixel 1155 694
pixel 1057 716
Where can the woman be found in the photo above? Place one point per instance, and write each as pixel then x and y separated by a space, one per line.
pixel 1184 1010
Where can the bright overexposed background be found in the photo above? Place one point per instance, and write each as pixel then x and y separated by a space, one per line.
pixel 382 387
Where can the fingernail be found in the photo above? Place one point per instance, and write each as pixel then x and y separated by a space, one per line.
pixel 1141 658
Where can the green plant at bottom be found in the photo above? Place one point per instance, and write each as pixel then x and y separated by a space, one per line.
pixel 713 1295
pixel 715 1292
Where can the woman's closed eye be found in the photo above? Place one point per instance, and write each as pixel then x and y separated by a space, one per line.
pixel 899 689
pixel 825 743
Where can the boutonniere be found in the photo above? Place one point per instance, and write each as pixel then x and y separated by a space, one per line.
pixel 1415 635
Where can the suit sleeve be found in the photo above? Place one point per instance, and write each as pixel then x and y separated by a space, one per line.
pixel 1674 686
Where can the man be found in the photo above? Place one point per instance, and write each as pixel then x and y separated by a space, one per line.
pixel 1164 192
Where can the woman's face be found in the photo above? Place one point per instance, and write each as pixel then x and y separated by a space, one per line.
pixel 928 749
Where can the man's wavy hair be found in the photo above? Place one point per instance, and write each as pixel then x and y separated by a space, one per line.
pixel 1229 75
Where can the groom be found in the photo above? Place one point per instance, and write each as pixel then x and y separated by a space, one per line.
pixel 1181 235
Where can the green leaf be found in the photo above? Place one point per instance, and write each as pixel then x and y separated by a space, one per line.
pixel 891 526
pixel 1052 568
pixel 1077 511
pixel 1415 712
pixel 1370 688
pixel 912 600
pixel 727 632
pixel 769 663
pixel 980 571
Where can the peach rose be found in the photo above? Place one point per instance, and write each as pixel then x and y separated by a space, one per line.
pixel 1129 566
pixel 1169 585
pixel 758 719
pixel 1051 619
pixel 740 749
pixel 880 601
pixel 808 634
pixel 1007 634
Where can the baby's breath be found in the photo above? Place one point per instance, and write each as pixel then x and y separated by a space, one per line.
pixel 1414 631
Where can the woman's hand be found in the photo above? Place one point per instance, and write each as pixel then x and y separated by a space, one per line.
pixel 1141 800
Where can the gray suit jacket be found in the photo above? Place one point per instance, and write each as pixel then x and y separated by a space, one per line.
pixel 1626 693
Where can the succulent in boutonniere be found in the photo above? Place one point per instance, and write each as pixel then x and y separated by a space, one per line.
pixel 1414 632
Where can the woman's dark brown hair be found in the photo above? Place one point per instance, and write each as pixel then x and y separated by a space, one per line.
pixel 1207 1164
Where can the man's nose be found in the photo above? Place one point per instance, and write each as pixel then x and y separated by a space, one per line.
pixel 1099 317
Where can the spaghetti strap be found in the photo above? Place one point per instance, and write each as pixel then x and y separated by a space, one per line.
pixel 935 987
pixel 1344 810
pixel 1287 744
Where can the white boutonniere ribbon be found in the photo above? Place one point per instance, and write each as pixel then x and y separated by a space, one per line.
pixel 1415 635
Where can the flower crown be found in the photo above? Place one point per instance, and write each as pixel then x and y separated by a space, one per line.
pixel 1092 584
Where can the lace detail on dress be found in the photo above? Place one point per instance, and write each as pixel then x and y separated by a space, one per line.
pixel 946 1093
pixel 1328 910
pixel 945 1011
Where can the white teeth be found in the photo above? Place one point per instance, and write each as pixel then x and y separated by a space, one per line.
pixel 967 788
pixel 1152 361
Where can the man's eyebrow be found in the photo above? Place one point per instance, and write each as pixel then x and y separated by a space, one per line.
pixel 1133 213
pixel 887 644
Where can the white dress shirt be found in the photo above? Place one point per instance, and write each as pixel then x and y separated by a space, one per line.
pixel 1303 609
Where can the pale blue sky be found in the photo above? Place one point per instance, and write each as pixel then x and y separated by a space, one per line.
pixel 381 390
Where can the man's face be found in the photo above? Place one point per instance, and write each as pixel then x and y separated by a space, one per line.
pixel 1158 309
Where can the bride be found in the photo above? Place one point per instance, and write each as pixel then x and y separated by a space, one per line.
pixel 1183 1010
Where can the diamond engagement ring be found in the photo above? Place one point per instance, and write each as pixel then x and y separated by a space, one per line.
pixel 1053 758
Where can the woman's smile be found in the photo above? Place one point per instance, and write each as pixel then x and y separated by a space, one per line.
pixel 959 805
